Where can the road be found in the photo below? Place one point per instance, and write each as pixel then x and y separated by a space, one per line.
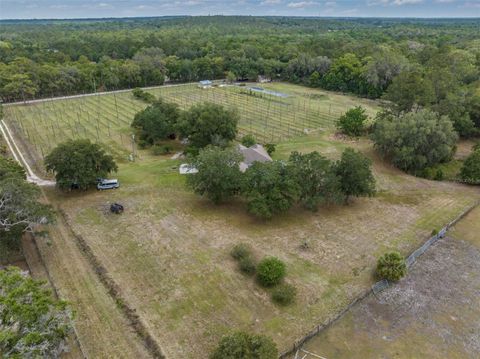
pixel 17 154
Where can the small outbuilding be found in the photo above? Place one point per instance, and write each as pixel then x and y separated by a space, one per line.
pixel 186 169
pixel 205 84
pixel 263 79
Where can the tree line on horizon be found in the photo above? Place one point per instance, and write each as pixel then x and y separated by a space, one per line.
pixel 412 63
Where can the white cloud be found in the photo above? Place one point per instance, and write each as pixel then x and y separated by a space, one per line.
pixel 393 2
pixel 300 4
pixel 271 2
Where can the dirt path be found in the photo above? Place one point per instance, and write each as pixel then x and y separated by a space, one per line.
pixel 18 155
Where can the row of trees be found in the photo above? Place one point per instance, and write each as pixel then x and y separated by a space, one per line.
pixel 32 322
pixel 274 187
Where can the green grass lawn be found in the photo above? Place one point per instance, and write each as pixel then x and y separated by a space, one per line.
pixel 107 118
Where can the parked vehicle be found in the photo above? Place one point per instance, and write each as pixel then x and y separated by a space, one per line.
pixel 107 184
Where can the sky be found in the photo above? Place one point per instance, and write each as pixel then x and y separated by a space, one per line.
pixel 47 9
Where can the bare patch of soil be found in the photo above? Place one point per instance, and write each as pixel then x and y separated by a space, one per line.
pixel 432 313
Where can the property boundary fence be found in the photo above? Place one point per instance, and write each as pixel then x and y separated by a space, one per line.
pixel 377 287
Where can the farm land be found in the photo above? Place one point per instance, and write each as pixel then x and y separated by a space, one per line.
pixel 169 251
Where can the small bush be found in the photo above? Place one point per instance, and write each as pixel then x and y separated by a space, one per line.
pixel 248 140
pixel 284 294
pixel 352 122
pixel 142 95
pixel 270 147
pixel 158 150
pixel 391 266
pixel 241 251
pixel 271 271
pixel 247 265
pixel 241 345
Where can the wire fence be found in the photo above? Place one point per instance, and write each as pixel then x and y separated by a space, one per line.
pixel 106 117
pixel 378 286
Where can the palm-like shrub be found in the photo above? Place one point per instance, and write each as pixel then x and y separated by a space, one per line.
pixel 391 266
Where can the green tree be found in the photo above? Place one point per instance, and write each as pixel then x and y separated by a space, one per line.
pixel 241 345
pixel 219 177
pixel 470 171
pixel 316 179
pixel 415 140
pixel 19 206
pixel 157 122
pixel 409 91
pixel 354 171
pixel 33 323
pixel 79 163
pixel 249 140
pixel 391 266
pixel 352 123
pixel 269 189
pixel 10 167
pixel 208 123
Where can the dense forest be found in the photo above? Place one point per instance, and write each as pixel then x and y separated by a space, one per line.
pixel 411 62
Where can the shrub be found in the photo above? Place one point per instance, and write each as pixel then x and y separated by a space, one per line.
pixel 161 150
pixel 247 265
pixel 270 147
pixel 391 266
pixel 241 345
pixel 142 95
pixel 470 172
pixel 248 140
pixel 352 122
pixel 284 294
pixel 240 251
pixel 270 271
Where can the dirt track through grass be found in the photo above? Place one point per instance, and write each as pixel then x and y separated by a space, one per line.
pixel 103 331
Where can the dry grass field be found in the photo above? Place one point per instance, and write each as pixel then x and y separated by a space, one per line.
pixel 169 251
pixel 433 313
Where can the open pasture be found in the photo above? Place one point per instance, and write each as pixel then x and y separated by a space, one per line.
pixel 169 251
pixel 106 118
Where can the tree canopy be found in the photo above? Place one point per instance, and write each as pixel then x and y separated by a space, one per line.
pixel 470 171
pixel 355 174
pixel 219 177
pixel 241 345
pixel 20 206
pixel 269 189
pixel 157 122
pixel 207 123
pixel 415 140
pixel 32 323
pixel 79 163
pixel 316 179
